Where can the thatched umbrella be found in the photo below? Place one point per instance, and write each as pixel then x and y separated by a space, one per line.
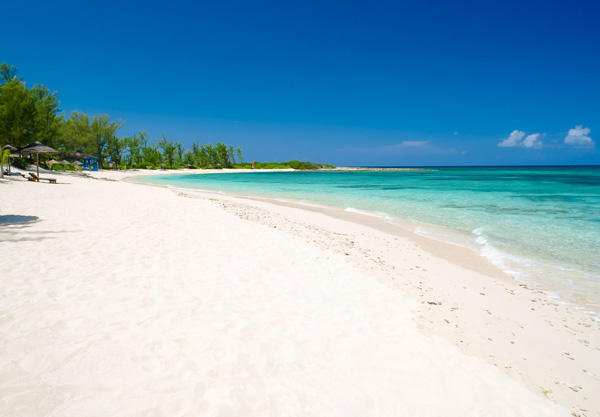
pixel 12 151
pixel 36 148
pixel 51 162
pixel 64 162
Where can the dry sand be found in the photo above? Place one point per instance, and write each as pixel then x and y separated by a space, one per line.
pixel 120 299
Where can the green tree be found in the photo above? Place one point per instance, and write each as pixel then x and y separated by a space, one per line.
pixel 179 153
pixel 114 149
pixel 150 153
pixel 27 115
pixel 17 113
pixel 222 156
pixel 144 137
pixel 77 133
pixel 211 155
pixel 200 155
pixel 169 150
pixel 48 122
pixel 231 154
pixel 189 158
pixel 134 149
pixel 103 131
pixel 8 73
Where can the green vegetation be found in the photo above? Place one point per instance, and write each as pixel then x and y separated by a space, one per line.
pixel 27 114
pixel 60 167
pixel 30 114
pixel 284 165
pixel 3 160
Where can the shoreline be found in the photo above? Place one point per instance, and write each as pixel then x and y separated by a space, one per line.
pixel 519 331
pixel 460 248
pixel 468 342
pixel 462 257
pixel 482 275
pixel 467 258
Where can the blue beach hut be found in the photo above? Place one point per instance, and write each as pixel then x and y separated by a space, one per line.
pixel 90 162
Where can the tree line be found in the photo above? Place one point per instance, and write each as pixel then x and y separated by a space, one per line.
pixel 29 114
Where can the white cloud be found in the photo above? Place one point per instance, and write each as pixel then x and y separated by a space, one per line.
pixel 517 138
pixel 533 141
pixel 579 137
pixel 514 139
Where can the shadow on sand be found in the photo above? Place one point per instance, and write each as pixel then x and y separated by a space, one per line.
pixel 14 219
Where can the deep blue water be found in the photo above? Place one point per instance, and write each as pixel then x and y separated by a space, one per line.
pixel 541 224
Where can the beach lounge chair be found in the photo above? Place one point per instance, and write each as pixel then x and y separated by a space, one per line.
pixel 13 174
pixel 35 178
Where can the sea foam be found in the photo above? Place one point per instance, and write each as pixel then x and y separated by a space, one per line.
pixel 379 214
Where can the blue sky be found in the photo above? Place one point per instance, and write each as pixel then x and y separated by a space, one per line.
pixel 351 83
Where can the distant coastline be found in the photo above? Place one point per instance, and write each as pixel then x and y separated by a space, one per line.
pixel 482 166
pixel 379 169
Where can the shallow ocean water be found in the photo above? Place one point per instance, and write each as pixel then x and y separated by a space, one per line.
pixel 540 224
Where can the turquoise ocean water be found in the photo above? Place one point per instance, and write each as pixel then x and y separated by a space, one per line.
pixel 540 224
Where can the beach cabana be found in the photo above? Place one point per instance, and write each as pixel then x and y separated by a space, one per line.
pixel 37 148
pixel 90 162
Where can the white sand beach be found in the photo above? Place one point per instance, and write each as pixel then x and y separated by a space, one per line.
pixel 121 299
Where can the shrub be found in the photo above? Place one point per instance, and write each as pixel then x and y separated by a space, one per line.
pixel 284 165
pixel 309 165
pixel 145 165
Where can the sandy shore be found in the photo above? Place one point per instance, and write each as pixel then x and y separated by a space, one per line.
pixel 119 299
